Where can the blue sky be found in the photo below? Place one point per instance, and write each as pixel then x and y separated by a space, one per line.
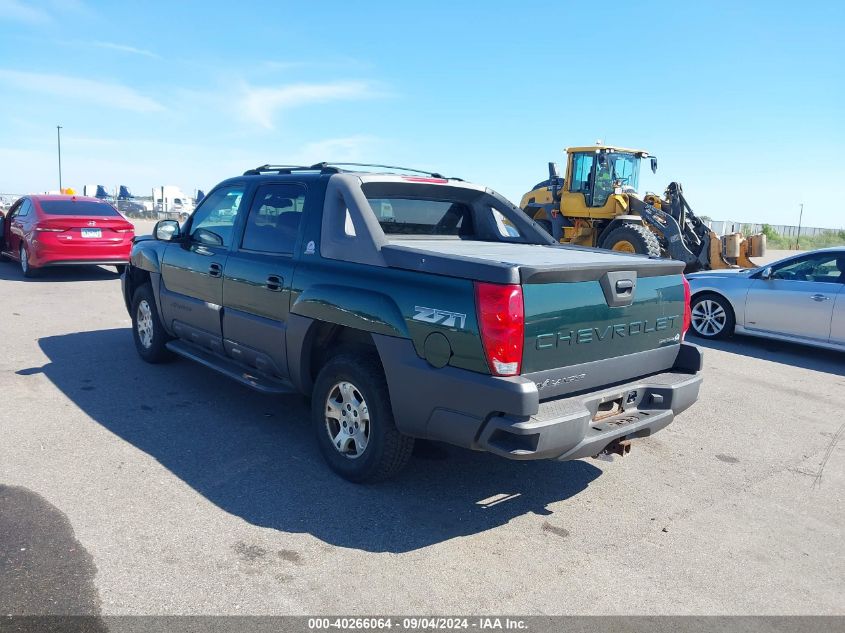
pixel 741 102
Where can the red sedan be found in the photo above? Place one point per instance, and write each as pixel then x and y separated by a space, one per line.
pixel 48 230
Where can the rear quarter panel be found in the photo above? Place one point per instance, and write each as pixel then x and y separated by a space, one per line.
pixel 400 303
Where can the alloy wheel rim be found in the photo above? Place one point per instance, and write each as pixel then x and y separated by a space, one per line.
pixel 708 317
pixel 347 419
pixel 24 260
pixel 145 324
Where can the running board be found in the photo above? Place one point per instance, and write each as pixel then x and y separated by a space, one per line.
pixel 234 370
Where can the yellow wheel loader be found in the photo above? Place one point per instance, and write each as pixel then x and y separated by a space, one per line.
pixel 597 204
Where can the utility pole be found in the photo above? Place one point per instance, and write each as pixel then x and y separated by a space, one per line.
pixel 59 139
pixel 800 217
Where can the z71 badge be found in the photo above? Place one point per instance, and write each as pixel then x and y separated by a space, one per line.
pixel 440 317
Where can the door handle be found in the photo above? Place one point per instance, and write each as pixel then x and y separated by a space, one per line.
pixel 819 297
pixel 215 269
pixel 274 283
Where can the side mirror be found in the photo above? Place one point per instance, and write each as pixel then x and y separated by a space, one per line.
pixel 554 172
pixel 654 164
pixel 767 273
pixel 166 230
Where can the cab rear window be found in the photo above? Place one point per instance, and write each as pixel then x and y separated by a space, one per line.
pixel 77 207
pixel 406 216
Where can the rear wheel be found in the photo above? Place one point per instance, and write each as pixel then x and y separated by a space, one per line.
pixel 353 420
pixel 26 268
pixel 712 316
pixel 147 330
pixel 632 238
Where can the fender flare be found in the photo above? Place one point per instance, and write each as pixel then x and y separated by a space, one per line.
pixel 355 308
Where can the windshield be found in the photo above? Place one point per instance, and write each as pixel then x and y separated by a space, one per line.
pixel 625 169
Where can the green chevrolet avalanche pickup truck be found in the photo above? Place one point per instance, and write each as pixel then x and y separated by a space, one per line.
pixel 415 306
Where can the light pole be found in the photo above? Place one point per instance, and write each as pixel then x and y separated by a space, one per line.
pixel 59 139
pixel 800 217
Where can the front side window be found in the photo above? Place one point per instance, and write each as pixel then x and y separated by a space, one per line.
pixel 213 222
pixel 273 222
pixel 825 268
pixel 16 209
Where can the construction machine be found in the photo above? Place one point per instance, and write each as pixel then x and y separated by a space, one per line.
pixel 597 204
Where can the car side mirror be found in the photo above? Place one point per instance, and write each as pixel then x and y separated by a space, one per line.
pixel 767 273
pixel 166 230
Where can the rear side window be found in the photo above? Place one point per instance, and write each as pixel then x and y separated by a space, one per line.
pixel 273 222
pixel 78 207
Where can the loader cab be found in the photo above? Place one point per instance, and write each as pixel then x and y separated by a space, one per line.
pixel 595 173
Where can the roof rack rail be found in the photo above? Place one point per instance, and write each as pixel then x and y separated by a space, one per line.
pixel 329 165
pixel 278 169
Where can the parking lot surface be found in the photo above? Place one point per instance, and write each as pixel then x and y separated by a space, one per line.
pixel 171 490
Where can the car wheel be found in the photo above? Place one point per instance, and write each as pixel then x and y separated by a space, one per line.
pixel 26 268
pixel 632 238
pixel 120 268
pixel 712 316
pixel 147 330
pixel 353 420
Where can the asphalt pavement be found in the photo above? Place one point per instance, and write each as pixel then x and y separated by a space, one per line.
pixel 170 490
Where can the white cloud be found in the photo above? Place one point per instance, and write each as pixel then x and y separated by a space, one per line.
pixel 261 105
pixel 111 95
pixel 126 49
pixel 17 11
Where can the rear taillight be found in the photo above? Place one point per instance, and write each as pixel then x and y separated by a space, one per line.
pixel 687 308
pixel 44 229
pixel 123 230
pixel 501 319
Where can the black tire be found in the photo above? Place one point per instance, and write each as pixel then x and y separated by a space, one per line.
pixel 722 319
pixel 155 351
pixel 387 451
pixel 637 236
pixel 120 268
pixel 28 271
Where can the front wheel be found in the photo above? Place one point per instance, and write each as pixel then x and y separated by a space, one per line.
pixel 632 238
pixel 712 316
pixel 353 420
pixel 147 330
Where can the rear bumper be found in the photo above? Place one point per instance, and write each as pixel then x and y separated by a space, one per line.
pixel 505 415
pixel 45 251
pixel 567 428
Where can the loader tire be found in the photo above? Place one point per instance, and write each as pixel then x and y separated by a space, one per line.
pixel 632 238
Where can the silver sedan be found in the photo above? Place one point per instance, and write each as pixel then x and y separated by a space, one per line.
pixel 799 299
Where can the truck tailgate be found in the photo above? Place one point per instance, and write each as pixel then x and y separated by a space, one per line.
pixel 582 305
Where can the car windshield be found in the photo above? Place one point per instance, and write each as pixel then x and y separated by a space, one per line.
pixel 78 207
